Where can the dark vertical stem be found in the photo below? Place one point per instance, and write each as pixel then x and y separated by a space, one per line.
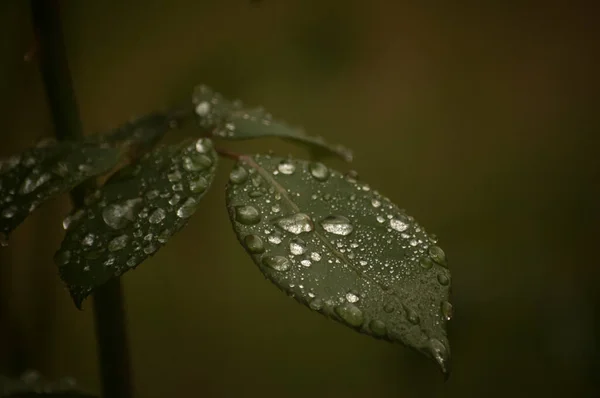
pixel 109 311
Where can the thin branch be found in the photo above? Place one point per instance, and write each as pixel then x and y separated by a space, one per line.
pixel 109 309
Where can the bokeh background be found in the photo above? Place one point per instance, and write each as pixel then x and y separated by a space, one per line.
pixel 480 119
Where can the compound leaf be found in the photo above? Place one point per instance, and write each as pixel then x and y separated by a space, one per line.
pixel 343 250
pixel 133 215
pixel 50 168
pixel 229 120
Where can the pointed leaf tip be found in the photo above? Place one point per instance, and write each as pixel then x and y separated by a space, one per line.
pixel 134 214
pixel 342 249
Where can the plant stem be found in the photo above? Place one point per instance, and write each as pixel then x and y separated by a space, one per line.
pixel 109 312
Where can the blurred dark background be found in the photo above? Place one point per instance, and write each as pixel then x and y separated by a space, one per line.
pixel 481 120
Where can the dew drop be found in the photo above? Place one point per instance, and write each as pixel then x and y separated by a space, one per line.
pixel 389 308
pixel 198 185
pixel 350 313
pixel 173 200
pixel 305 262
pixel 275 238
pixel 247 215
pixel 315 256
pixel 412 316
pixel 316 304
pixel 278 263
pixel 297 246
pixel 443 279
pixel 254 244
pixel 440 353
pixel 319 171
pixel 88 240
pixel 447 310
pixel 426 262
pixel 351 297
pixel 203 108
pixel 380 219
pixel 118 216
pixel 151 248
pixel 296 223
pixel 338 225
pixel 9 212
pixel 375 203
pixel 32 183
pixel 377 327
pixel 118 243
pixel 204 145
pixel 286 166
pixel 197 162
pixel 399 223
pixel 187 208
pixel 157 216
pixel 438 255
pixel 238 175
pixel 175 176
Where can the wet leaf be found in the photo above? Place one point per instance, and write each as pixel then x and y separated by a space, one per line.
pixel 50 168
pixel 133 215
pixel 32 384
pixel 230 120
pixel 343 250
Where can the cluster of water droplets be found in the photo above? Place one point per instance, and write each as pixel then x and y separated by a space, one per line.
pixel 129 218
pixel 340 247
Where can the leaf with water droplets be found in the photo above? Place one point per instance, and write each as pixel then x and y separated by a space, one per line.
pixel 50 168
pixel 230 120
pixel 343 250
pixel 133 215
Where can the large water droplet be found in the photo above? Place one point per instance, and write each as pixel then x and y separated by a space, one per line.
pixel 315 256
pixel 254 244
pixel 297 246
pixel 438 255
pixel 187 208
pixel 440 353
pixel 275 238
pixel 117 216
pixel 197 162
pixel 32 183
pixel 198 185
pixel 204 145
pixel 238 175
pixel 157 216
pixel 247 215
pixel 447 310
pixel 278 263
pixel 319 171
pixel 316 304
pixel 351 297
pixel 286 166
pixel 426 262
pixel 203 108
pixel 350 313
pixel 296 223
pixel 338 225
pixel 377 327
pixel 399 223
pixel 443 279
pixel 118 243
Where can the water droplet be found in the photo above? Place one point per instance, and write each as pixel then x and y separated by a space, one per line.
pixel 412 316
pixel 438 255
pixel 247 215
pixel 315 256
pixel 286 166
pixel 297 246
pixel 164 235
pixel 389 308
pixel 153 194
pixel 447 310
pixel 197 162
pixel 198 185
pixel 375 203
pixel 316 304
pixel 319 171
pixel 296 223
pixel 377 327
pixel 203 108
pixel 173 200
pixel 9 212
pixel 399 223
pixel 443 279
pixel 351 297
pixel 380 219
pixel 174 176
pixel 117 216
pixel 187 208
pixel 118 243
pixel 440 353
pixel 305 262
pixel 254 244
pixel 338 225
pixel 88 240
pixel 275 238
pixel 157 216
pixel 350 313
pixel 426 262
pixel 278 263
pixel 32 183
pixel 204 145
pixel 238 175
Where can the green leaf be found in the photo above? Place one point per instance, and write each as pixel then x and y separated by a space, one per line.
pixel 50 168
pixel 229 120
pixel 31 384
pixel 343 250
pixel 133 215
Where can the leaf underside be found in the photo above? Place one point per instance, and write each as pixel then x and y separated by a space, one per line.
pixel 50 168
pixel 343 250
pixel 230 120
pixel 133 215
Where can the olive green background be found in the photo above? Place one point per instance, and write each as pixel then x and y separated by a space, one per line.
pixel 480 120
